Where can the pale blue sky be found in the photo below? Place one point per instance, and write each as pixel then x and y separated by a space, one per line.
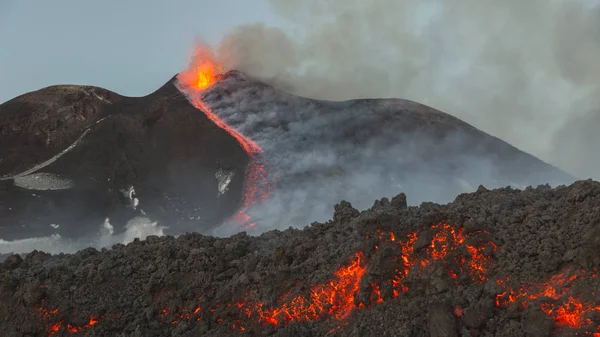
pixel 128 46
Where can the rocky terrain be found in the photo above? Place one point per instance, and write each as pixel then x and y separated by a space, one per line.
pixel 501 262
pixel 321 152
pixel 73 156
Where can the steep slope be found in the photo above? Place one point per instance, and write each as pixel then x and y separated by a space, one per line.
pixel 36 126
pixel 111 150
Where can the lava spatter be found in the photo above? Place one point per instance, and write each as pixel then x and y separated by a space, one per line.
pixel 203 70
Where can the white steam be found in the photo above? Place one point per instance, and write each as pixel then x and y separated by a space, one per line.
pixel 105 237
pixel 524 71
pixel 321 152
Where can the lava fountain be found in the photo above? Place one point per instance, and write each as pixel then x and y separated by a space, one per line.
pixel 204 70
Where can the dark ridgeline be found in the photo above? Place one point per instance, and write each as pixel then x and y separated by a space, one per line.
pixel 159 144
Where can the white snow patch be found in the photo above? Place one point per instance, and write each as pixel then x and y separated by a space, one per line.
pixel 224 178
pixel 101 98
pixel 129 193
pixel 43 182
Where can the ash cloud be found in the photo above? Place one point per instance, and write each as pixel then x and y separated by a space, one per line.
pixel 524 71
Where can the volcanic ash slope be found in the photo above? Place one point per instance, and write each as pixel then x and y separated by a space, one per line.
pixel 499 262
pixel 72 156
pixel 318 152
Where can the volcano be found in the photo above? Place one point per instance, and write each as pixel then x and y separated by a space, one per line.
pixel 114 152
pixel 75 157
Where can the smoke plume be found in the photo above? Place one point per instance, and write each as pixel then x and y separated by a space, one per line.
pixel 524 71
pixel 316 153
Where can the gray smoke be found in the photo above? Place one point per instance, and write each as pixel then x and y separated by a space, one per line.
pixel 320 152
pixel 524 71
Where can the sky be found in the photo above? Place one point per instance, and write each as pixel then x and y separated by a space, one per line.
pixel 131 47
pixel 523 71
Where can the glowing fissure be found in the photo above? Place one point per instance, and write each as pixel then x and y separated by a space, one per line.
pixel 256 184
pixel 53 327
pixel 557 299
pixel 336 298
pixel 447 247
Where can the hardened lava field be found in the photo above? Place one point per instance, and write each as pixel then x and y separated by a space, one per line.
pixel 492 263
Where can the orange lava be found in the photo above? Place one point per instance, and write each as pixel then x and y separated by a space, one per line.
pixel 446 246
pixel 567 310
pixel 334 298
pixel 203 70
pixel 53 327
pixel 200 75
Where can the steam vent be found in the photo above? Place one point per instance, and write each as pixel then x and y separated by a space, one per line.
pixel 213 152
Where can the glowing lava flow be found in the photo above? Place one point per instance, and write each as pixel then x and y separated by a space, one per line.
pixel 53 327
pixel 334 298
pixel 417 257
pixel 447 247
pixel 567 310
pixel 201 75
pixel 256 185
pixel 337 298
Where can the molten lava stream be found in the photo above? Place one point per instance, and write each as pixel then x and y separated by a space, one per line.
pixel 567 310
pixel 200 75
pixel 256 187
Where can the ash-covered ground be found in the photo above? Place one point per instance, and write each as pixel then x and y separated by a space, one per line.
pixel 499 262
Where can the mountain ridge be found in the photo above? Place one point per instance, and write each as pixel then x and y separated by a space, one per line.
pixel 172 155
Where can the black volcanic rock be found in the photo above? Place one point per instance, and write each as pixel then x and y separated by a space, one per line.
pixel 160 145
pixel 36 126
pixel 284 283
pixel 359 150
